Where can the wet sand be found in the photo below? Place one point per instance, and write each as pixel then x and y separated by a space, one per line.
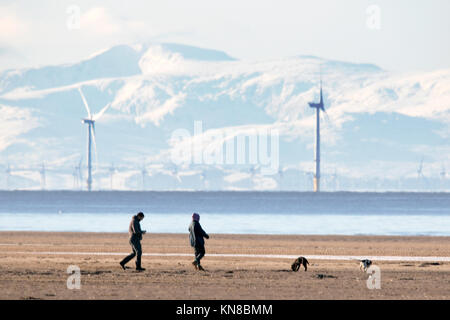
pixel 30 269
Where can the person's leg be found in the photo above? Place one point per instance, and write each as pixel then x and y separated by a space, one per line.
pixel 129 257
pixel 138 249
pixel 195 262
pixel 199 254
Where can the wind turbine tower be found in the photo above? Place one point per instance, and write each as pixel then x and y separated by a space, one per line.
pixel 8 176
pixel 77 176
pixel 204 180
pixel 112 170
pixel 443 175
pixel 280 177
pixel 144 174
pixel 90 121
pixel 76 182
pixel 308 175
pixel 90 124
pixel 318 106
pixel 419 170
pixel 420 175
pixel 42 172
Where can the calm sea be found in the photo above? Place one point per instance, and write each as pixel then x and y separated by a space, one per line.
pixel 346 213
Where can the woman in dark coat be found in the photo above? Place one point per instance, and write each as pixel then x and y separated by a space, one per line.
pixel 196 237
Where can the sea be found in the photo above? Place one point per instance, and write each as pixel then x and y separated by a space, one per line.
pixel 233 212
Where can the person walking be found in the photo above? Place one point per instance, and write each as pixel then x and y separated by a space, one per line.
pixel 196 237
pixel 136 233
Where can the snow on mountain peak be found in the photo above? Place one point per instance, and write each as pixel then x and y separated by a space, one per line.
pixel 117 61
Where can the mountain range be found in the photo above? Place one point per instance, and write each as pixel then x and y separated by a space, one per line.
pixel 381 130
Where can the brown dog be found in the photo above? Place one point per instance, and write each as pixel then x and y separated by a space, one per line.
pixel 298 262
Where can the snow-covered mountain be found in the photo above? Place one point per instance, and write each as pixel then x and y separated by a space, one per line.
pixel 377 129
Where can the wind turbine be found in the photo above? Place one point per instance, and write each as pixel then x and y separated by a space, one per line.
pixel 174 172
pixel 42 172
pixel 90 121
pixel 280 177
pixel 308 176
pixel 112 171
pixel 420 175
pixel 443 175
pixel 77 176
pixel 144 174
pixel 252 171
pixel 8 176
pixel 203 178
pixel 419 170
pixel 319 106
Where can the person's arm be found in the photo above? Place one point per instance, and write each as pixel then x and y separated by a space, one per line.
pixel 192 237
pixel 203 233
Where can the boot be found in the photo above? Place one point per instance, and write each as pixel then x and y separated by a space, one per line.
pixel 126 260
pixel 200 267
pixel 195 264
pixel 139 267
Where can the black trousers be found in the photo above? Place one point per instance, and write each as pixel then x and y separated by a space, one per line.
pixel 137 252
pixel 199 253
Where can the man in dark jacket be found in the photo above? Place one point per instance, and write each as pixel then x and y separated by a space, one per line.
pixel 135 242
pixel 196 235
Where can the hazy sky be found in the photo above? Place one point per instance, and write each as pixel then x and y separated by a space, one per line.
pixel 400 35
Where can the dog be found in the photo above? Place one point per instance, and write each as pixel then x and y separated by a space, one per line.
pixel 364 264
pixel 299 262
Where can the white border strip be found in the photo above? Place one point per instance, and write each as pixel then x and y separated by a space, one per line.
pixel 231 255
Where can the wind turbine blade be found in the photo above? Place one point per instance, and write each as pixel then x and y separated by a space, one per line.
pixel 101 112
pixel 326 115
pixel 85 103
pixel 95 146
pixel 328 120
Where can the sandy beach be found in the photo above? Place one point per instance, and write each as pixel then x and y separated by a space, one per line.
pixel 34 266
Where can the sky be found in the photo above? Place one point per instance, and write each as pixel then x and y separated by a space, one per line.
pixel 405 36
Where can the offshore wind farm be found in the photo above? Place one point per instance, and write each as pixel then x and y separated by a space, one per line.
pixel 282 140
pixel 143 105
